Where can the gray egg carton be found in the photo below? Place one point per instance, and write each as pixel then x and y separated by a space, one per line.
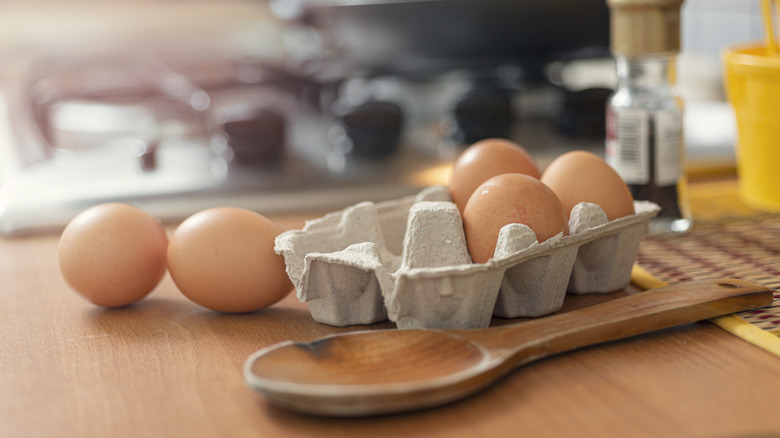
pixel 406 260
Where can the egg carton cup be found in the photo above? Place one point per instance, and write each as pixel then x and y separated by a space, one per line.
pixel 406 260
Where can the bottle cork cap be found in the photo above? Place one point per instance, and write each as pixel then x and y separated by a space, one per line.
pixel 643 27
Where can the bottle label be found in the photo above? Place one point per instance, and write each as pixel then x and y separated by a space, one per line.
pixel 645 147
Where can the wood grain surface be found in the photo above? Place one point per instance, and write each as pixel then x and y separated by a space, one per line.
pixel 167 367
pixel 375 372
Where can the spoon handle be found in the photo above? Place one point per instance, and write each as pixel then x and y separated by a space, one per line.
pixel 639 313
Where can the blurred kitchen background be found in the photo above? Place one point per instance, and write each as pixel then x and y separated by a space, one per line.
pixel 290 105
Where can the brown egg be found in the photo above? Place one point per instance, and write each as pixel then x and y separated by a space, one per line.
pixel 510 198
pixel 484 160
pixel 223 259
pixel 113 254
pixel 581 176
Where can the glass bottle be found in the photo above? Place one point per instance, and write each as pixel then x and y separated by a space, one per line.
pixel 644 140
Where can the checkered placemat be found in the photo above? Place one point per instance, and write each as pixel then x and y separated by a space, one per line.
pixel 728 240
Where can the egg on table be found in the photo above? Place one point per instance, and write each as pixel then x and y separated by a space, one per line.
pixel 223 259
pixel 581 176
pixel 113 254
pixel 510 198
pixel 484 160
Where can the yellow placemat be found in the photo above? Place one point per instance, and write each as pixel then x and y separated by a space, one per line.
pixel 728 240
pixel 734 324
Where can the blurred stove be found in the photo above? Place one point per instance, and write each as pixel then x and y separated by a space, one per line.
pixel 249 135
pixel 333 119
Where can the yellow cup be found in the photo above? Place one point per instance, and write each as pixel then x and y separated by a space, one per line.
pixel 752 81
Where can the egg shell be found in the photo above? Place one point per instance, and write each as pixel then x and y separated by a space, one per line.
pixel 581 176
pixel 345 282
pixel 113 254
pixel 484 160
pixel 510 198
pixel 223 259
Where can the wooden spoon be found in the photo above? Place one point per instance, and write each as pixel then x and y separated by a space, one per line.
pixel 384 371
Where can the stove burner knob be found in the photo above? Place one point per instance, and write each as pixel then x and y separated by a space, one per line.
pixel 147 155
pixel 482 113
pixel 258 139
pixel 374 128
pixel 582 113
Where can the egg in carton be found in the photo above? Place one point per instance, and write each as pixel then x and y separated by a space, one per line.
pixel 406 260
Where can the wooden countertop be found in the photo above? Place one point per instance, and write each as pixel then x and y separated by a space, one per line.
pixel 166 367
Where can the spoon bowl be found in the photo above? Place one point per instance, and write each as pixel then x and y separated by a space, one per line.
pixel 385 371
